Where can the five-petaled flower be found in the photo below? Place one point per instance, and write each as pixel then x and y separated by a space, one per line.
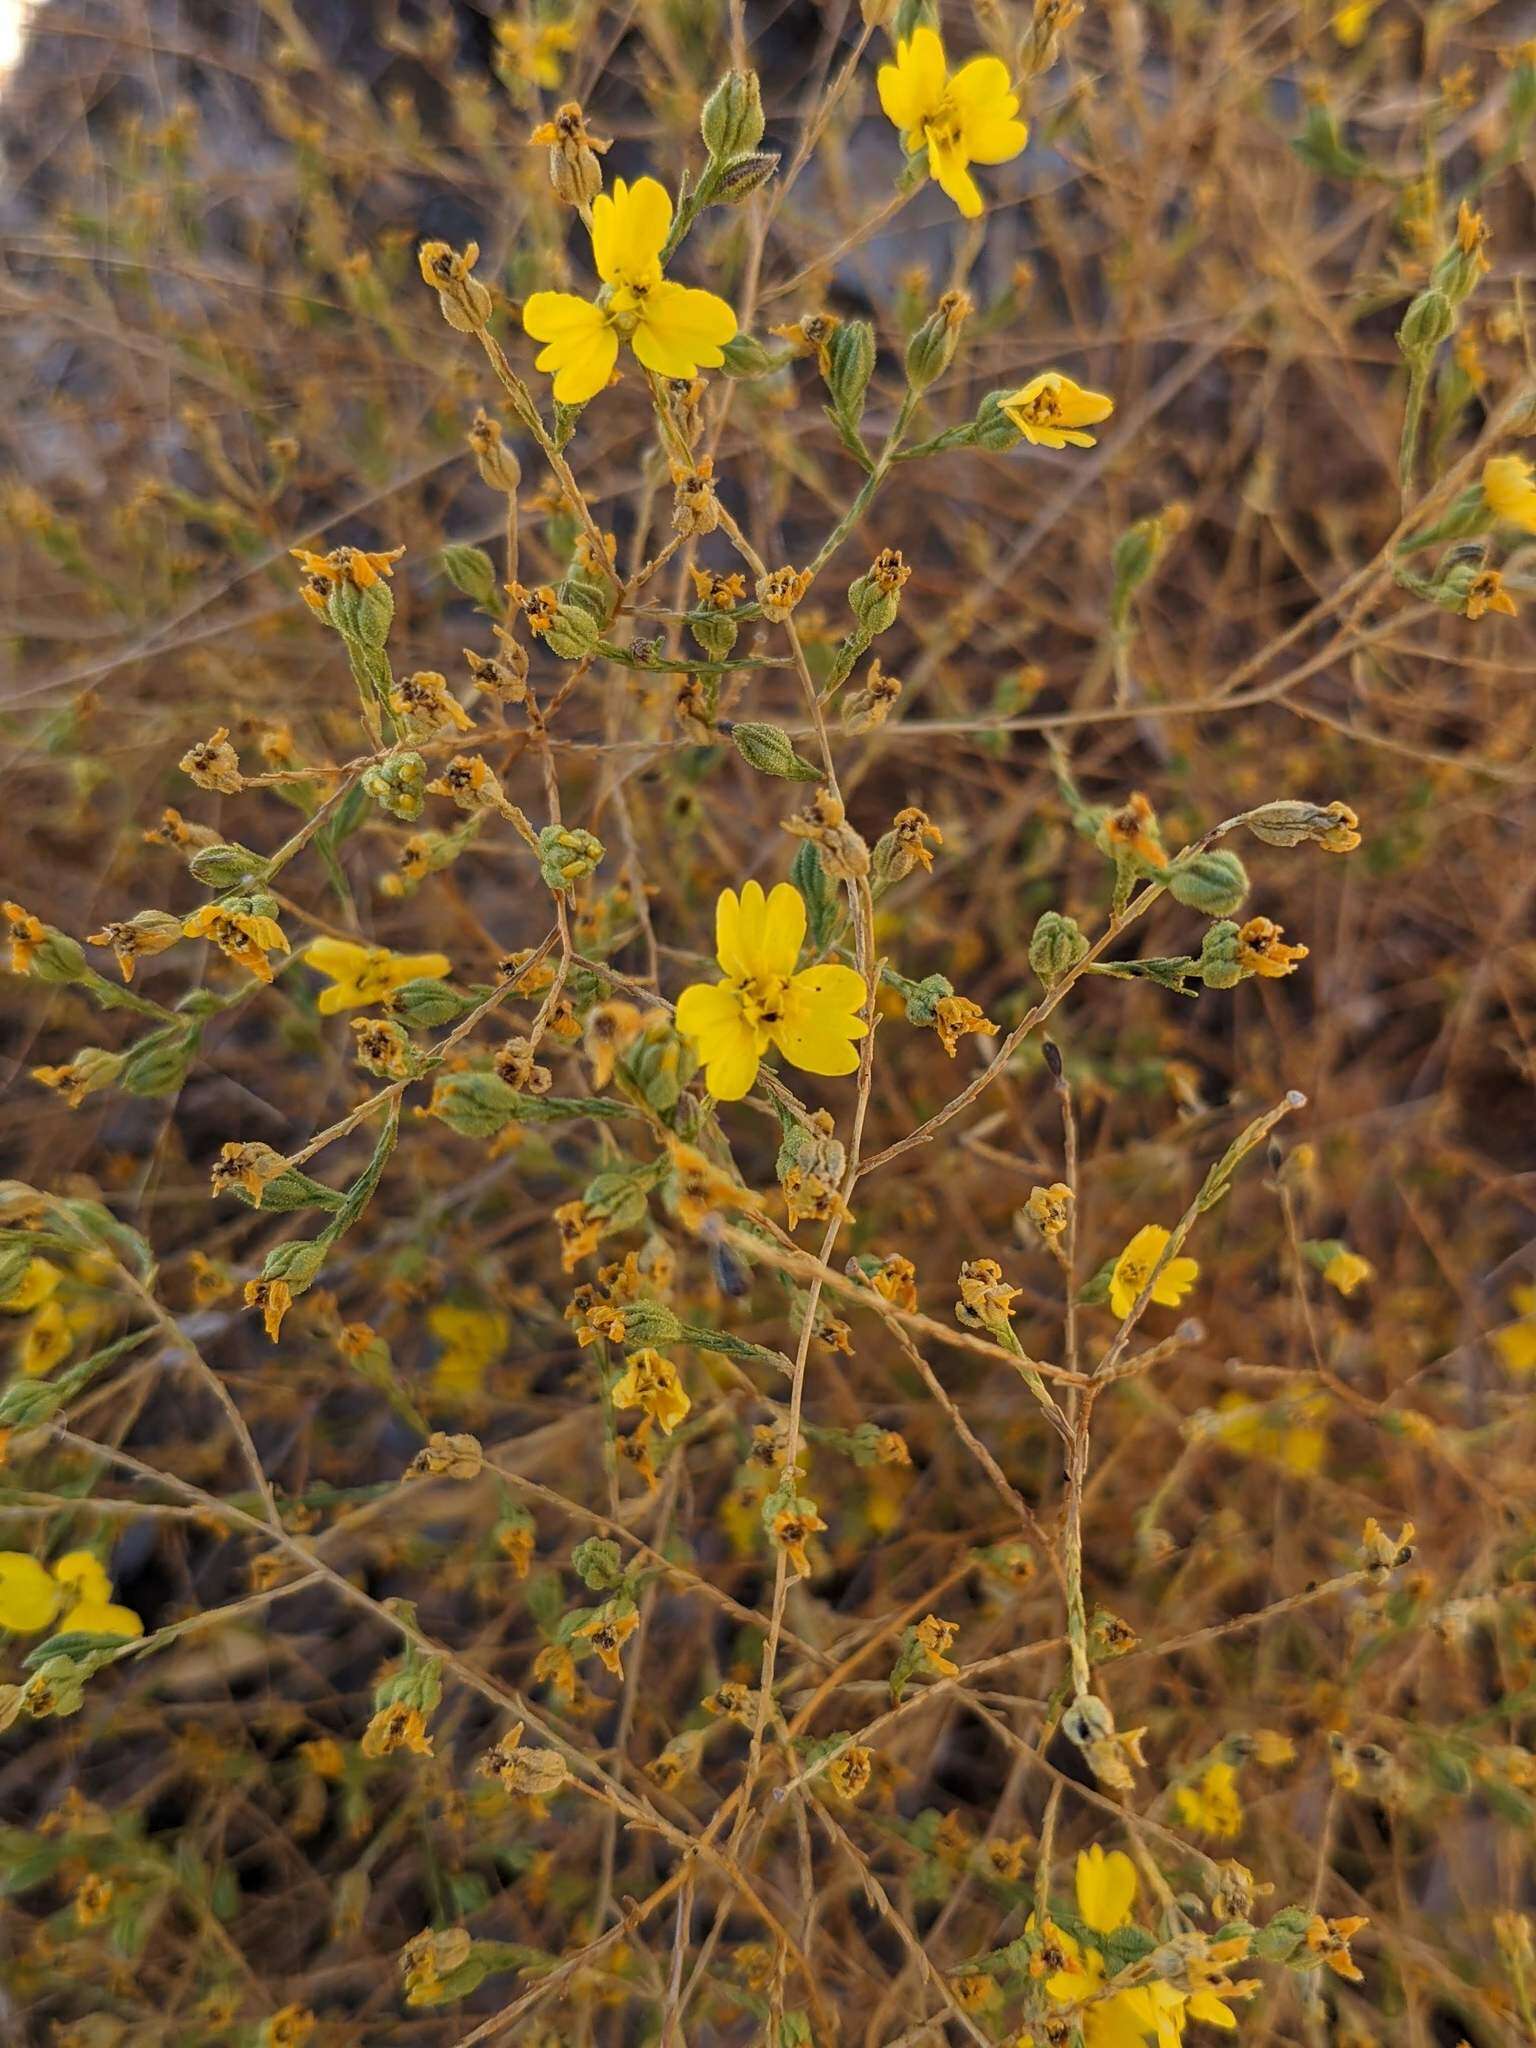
pixel 1052 410
pixel 674 330
pixel 812 1017
pixel 32 1595
pixel 1134 1267
pixel 959 118
pixel 366 974
pixel 1509 489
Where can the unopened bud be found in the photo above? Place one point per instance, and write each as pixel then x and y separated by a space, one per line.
pixel 732 120
pixel 768 749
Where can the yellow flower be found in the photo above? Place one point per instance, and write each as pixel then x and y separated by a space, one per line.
pixel 38 1279
pixel 366 974
pixel 472 1340
pixel 1346 1270
pixel 46 1341
pixel 812 1017
pixel 651 1383
pixel 672 328
pixel 31 1596
pixel 1106 1892
pixel 1516 1342
pixel 1351 22
pixel 1509 486
pixel 538 55
pixel 1211 1807
pixel 1262 951
pixel 1134 1266
pixel 1052 410
pixel 960 118
pixel 1289 1432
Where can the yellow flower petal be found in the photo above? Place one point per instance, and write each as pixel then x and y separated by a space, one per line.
pixel 629 226
pixel 102 1618
pixel 730 1071
pixel 1106 1888
pixel 682 330
pixel 339 958
pixel 582 345
pixel 912 88
pixel 29 1597
pixel 947 168
pixel 81 1572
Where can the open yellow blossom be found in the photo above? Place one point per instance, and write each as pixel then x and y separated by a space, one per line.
pixel 959 118
pixel 1290 1432
pixel 32 1596
pixel 1516 1342
pixel 366 974
pixel 812 1017
pixel 1052 410
pixel 1134 1266
pixel 673 329
pixel 1106 1886
pixel 536 54
pixel 1211 1806
pixel 1509 486
pixel 472 1340
pixel 1346 1270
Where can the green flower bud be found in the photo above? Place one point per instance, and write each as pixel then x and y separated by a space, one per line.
pixel 748 174
pixel 566 855
pixel 932 348
pixel 599 1563
pixel 745 356
pixel 1427 322
pixel 227 866
pixel 647 1324
pixel 1214 882
pixel 850 364
pixel 476 1105
pixel 1056 946
pixel 397 785
pixel 160 1063
pixel 1220 965
pixel 732 119
pixel 57 958
pixel 472 571
pixel 298 1262
pixel 875 598
pixel 425 1003
pixel 767 749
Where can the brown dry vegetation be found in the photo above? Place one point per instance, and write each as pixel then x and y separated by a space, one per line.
pixel 217 347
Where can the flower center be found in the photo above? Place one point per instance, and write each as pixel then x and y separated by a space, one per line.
pixel 762 1000
pixel 1044 407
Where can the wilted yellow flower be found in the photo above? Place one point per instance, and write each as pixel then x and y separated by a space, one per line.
pixel 1051 410
pixel 607 1632
pixel 1261 949
pixel 243 936
pixel 1134 1267
pixel 652 1383
pixel 958 118
pixel 811 1016
pixel 674 330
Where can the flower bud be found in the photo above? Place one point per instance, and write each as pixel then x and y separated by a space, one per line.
pixel 767 749
pixel 567 855
pixel 464 302
pixel 160 1063
pixel 1221 956
pixel 745 356
pixel 574 170
pixel 649 1323
pixel 425 1003
pixel 932 347
pixel 57 958
pixel 227 866
pixel 849 365
pixel 498 466
pixel 1056 946
pixel 1214 882
pixel 748 174
pixel 875 598
pixel 476 1105
pixel 732 120
pixel 397 785
pixel 1427 322
pixel 472 571
pixel 361 612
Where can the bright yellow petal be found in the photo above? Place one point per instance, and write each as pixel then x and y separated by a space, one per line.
pixel 682 330
pixel 706 1010
pixel 1206 2006
pixel 582 346
pixel 946 166
pixel 784 930
pixel 990 140
pixel 982 90
pixel 730 1072
pixel 820 1023
pixel 102 1618
pixel 628 230
pixel 404 967
pixel 912 87
pixel 338 958
pixel 1175 1281
pixel 1106 1888
pixel 81 1572
pixel 751 932
pixel 29 1597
